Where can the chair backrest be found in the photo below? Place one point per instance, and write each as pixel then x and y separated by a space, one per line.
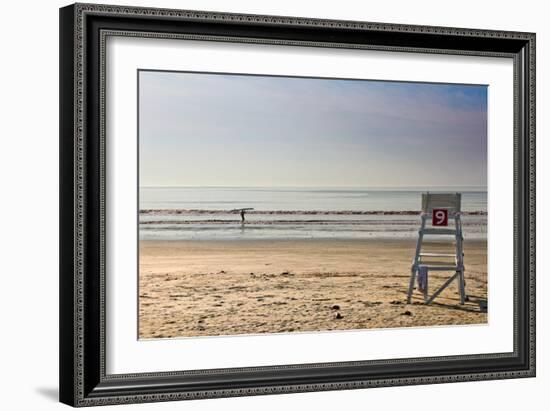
pixel 450 201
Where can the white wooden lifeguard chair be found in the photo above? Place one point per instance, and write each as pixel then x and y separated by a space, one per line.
pixel 437 210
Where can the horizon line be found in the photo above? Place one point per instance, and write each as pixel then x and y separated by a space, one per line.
pixel 328 186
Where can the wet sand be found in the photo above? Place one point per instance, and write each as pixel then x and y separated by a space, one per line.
pixel 206 288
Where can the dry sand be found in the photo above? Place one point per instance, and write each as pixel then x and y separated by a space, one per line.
pixel 199 288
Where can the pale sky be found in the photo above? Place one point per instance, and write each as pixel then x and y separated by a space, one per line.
pixel 255 131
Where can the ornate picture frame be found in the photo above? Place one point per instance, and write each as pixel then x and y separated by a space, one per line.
pixel 84 30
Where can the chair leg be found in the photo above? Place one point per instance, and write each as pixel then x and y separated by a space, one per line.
pixel 411 285
pixel 426 295
pixel 461 288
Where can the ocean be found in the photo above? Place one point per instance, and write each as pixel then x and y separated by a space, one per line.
pixel 206 213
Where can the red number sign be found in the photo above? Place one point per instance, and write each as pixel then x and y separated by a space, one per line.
pixel 440 217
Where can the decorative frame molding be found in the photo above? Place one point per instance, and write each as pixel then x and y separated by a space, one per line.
pixel 83 32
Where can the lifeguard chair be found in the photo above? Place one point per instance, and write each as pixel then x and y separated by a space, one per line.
pixel 438 209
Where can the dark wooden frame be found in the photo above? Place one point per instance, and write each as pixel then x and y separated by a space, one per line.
pixel 83 29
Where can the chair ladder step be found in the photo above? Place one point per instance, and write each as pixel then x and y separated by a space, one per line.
pixel 441 267
pixel 435 231
pixel 436 255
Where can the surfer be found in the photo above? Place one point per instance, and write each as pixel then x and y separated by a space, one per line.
pixel 242 212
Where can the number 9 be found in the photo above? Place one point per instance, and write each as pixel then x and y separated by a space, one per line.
pixel 440 217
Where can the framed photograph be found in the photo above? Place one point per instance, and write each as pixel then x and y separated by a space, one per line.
pixel 262 204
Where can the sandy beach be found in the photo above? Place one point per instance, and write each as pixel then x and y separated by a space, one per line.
pixel 206 288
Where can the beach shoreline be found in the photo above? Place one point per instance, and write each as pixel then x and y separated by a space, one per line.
pixel 242 286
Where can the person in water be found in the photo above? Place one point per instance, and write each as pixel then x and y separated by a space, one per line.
pixel 242 216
